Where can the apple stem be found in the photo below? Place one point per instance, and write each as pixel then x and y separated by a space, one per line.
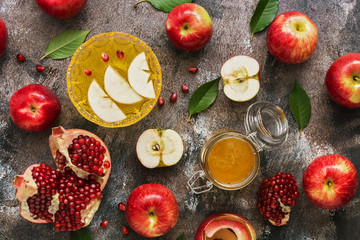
pixel 252 35
pixel 139 2
pixel 356 79
pixel 300 133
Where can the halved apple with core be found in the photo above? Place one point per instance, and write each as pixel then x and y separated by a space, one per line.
pixel 102 105
pixel 118 88
pixel 240 75
pixel 159 148
pixel 138 75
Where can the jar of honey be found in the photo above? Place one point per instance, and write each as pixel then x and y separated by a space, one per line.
pixel 230 160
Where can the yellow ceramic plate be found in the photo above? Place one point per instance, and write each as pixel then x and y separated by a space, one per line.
pixel 88 57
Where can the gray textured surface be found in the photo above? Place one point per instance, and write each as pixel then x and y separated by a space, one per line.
pixel 332 129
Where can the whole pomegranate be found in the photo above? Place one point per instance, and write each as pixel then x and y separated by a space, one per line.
pixel 275 196
pixel 70 195
pixel 3 37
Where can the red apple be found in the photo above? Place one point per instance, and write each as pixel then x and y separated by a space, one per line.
pixel 61 9
pixel 229 226
pixel 34 107
pixel 330 181
pixel 3 37
pixel 189 27
pixel 292 37
pixel 152 210
pixel 343 80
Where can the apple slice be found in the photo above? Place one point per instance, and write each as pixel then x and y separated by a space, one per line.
pixel 226 229
pixel 118 88
pixel 159 148
pixel 240 76
pixel 102 105
pixel 138 75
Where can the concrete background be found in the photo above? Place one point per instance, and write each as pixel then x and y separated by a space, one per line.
pixel 332 129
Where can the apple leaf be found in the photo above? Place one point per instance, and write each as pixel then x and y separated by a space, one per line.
pixel 300 106
pixel 203 97
pixel 82 234
pixel 181 237
pixel 164 5
pixel 264 14
pixel 65 44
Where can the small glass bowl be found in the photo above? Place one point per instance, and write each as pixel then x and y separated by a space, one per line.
pixel 88 56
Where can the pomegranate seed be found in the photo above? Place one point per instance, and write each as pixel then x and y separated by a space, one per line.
pixel 125 231
pixel 20 58
pixel 279 188
pixel 184 88
pixel 40 68
pixel 106 164
pixel 104 224
pixel 121 207
pixel 161 101
pixel 87 72
pixel 173 97
pixel 120 54
pixel 193 69
pixel 105 57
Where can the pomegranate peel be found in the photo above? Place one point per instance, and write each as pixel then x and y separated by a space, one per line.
pixel 60 143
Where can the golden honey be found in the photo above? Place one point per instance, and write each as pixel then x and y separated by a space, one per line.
pixel 231 161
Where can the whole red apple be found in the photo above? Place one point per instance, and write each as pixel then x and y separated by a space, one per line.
pixel 152 210
pixel 189 27
pixel 292 37
pixel 343 80
pixel 3 37
pixel 34 107
pixel 61 9
pixel 330 181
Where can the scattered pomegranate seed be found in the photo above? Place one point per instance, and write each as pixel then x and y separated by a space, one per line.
pixel 104 224
pixel 173 97
pixel 193 69
pixel 161 101
pixel 40 68
pixel 87 72
pixel 120 54
pixel 20 58
pixel 121 207
pixel 275 196
pixel 105 57
pixel 185 88
pixel 125 231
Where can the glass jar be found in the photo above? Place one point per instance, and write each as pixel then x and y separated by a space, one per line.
pixel 230 160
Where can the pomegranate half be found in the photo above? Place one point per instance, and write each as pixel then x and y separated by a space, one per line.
pixel 68 196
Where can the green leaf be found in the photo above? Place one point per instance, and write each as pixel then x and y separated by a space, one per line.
pixel 164 5
pixel 65 44
pixel 264 14
pixel 300 106
pixel 82 234
pixel 203 97
pixel 181 237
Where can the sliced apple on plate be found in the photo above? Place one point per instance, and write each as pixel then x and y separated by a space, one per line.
pixel 102 105
pixel 118 88
pixel 138 75
pixel 159 148
pixel 240 75
pixel 226 229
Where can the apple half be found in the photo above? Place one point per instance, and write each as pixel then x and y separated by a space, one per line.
pixel 118 88
pixel 229 226
pixel 102 105
pixel 240 75
pixel 138 75
pixel 159 148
